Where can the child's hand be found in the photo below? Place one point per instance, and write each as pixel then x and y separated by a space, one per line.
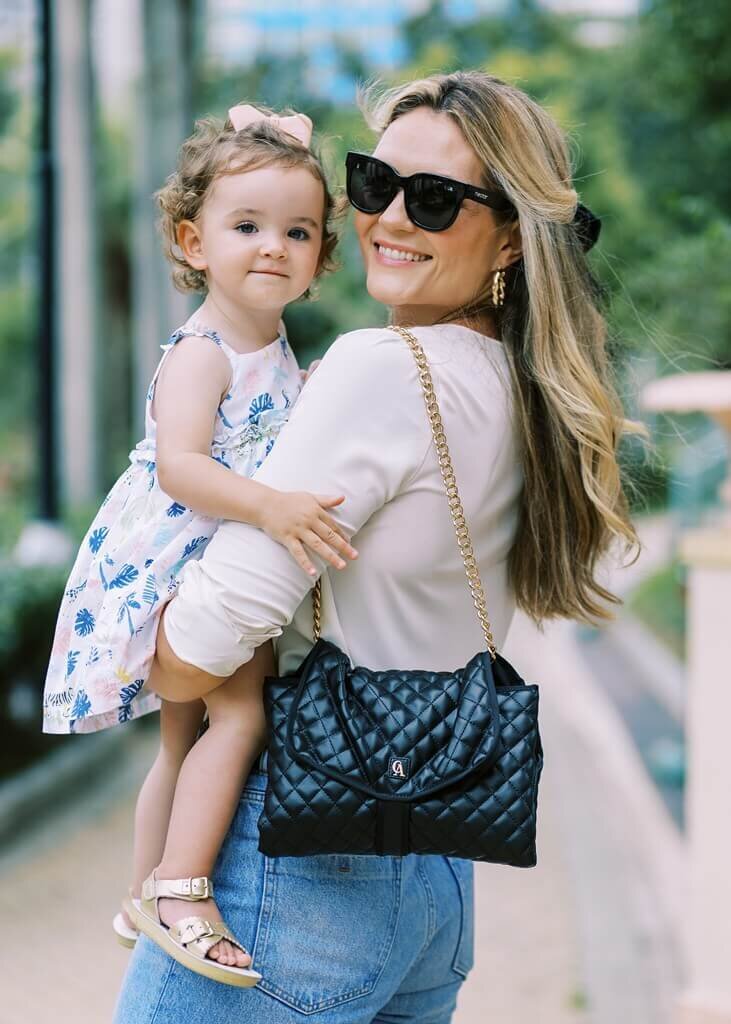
pixel 306 374
pixel 298 520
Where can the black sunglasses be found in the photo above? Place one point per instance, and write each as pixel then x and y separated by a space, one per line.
pixel 432 202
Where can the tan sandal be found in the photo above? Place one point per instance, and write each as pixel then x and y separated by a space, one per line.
pixel 189 940
pixel 126 935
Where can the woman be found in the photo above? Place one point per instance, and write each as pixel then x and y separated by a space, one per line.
pixel 493 281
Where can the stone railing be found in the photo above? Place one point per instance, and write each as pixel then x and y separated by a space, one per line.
pixel 707 552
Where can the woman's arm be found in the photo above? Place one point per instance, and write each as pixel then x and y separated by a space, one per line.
pixel 359 429
pixel 189 389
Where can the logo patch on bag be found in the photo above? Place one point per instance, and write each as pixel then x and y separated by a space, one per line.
pixel 399 767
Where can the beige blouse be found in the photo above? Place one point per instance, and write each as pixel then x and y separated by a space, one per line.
pixel 360 429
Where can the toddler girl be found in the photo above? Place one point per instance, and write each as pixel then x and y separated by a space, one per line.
pixel 245 219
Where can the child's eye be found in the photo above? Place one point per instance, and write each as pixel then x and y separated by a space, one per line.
pixel 299 234
pixel 246 228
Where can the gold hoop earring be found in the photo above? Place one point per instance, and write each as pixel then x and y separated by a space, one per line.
pixel 498 288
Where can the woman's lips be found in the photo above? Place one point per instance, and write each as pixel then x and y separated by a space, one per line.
pixel 396 256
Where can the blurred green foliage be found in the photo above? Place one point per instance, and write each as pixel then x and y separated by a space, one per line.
pixel 114 199
pixel 29 601
pixel 651 137
pixel 650 129
pixel 659 601
pixel 16 301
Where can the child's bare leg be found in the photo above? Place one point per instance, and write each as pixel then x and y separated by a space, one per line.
pixel 209 787
pixel 179 725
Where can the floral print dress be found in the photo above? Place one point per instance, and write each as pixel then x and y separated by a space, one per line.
pixel 130 561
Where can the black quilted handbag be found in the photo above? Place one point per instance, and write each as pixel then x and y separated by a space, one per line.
pixel 396 762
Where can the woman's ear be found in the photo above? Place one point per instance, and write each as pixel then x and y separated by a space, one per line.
pixel 512 248
pixel 191 244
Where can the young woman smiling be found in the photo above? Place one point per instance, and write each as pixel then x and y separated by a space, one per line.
pixel 472 235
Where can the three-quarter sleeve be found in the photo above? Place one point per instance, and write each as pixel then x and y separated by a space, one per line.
pixel 358 429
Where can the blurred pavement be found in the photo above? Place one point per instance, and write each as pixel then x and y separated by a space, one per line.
pixel 64 881
pixel 584 938
pixel 589 935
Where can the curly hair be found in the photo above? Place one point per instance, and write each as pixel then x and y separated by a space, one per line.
pixel 214 149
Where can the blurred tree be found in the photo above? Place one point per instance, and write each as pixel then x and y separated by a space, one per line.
pixel 9 98
pixel 678 116
pixel 116 416
pixel 16 296
pixel 664 194
pixel 650 134
pixel 676 127
pixel 168 34
pixel 525 25
pixel 77 311
pixel 270 80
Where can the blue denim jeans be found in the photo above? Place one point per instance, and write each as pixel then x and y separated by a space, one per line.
pixel 338 940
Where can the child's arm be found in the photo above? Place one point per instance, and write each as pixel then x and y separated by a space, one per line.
pixel 188 392
pixel 306 374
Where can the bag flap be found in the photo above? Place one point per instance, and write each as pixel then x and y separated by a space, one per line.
pixel 395 735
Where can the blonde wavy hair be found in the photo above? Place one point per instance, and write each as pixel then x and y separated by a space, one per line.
pixel 570 417
pixel 216 148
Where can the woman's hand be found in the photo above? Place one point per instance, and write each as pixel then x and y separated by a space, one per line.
pixel 298 520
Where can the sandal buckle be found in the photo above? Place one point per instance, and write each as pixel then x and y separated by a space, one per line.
pixel 194 930
pixel 201 888
pixel 202 929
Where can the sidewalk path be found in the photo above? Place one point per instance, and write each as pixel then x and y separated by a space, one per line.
pixel 598 921
pixel 584 938
pixel 63 882
pixel 527 964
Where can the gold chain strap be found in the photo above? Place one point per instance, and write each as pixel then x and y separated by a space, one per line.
pixel 455 502
pixel 317 610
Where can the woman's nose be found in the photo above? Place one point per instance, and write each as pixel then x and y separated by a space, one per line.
pixel 395 216
pixel 273 247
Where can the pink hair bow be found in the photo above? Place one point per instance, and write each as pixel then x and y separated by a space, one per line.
pixel 297 125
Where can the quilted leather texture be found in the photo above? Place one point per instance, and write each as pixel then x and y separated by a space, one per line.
pixel 364 762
